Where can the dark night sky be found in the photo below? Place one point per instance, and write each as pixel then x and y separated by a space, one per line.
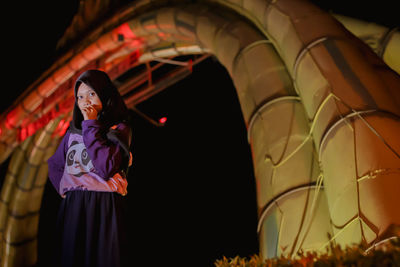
pixel 191 192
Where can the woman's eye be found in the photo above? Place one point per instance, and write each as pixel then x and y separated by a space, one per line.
pixel 80 97
pixel 92 94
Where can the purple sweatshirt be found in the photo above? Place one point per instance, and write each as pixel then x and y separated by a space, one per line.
pixel 90 160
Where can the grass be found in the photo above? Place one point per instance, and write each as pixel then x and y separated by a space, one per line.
pixel 387 255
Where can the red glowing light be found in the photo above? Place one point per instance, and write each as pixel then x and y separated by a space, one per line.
pixel 11 119
pixel 64 128
pixel 162 120
pixel 190 65
pixel 125 31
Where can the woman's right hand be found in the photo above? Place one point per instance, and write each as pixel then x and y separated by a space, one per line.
pixel 89 113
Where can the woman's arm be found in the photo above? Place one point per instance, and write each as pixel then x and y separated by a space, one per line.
pixel 56 162
pixel 107 155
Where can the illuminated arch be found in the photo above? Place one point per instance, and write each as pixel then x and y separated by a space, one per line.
pixel 293 107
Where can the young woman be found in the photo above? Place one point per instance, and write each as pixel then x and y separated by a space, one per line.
pixel 88 170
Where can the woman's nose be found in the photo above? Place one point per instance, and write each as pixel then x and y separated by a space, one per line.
pixel 86 101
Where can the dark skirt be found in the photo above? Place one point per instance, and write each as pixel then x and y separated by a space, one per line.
pixel 91 228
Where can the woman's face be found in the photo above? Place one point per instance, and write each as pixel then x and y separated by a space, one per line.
pixel 87 98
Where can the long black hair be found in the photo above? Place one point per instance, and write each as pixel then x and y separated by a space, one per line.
pixel 114 109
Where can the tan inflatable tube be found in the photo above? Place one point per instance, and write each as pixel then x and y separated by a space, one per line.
pixel 384 41
pixel 254 66
pixel 21 197
pixel 357 99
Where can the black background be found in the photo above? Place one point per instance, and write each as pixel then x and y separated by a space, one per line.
pixel 191 191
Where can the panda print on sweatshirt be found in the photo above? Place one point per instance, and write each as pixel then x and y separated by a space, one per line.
pixel 78 160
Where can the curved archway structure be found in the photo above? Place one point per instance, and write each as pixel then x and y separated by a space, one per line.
pixel 321 110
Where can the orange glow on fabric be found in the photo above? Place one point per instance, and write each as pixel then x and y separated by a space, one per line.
pixel 59 126
pixel 124 32
pixel 117 69
pixel 63 128
pixel 31 128
pixel 22 134
pixel 11 119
